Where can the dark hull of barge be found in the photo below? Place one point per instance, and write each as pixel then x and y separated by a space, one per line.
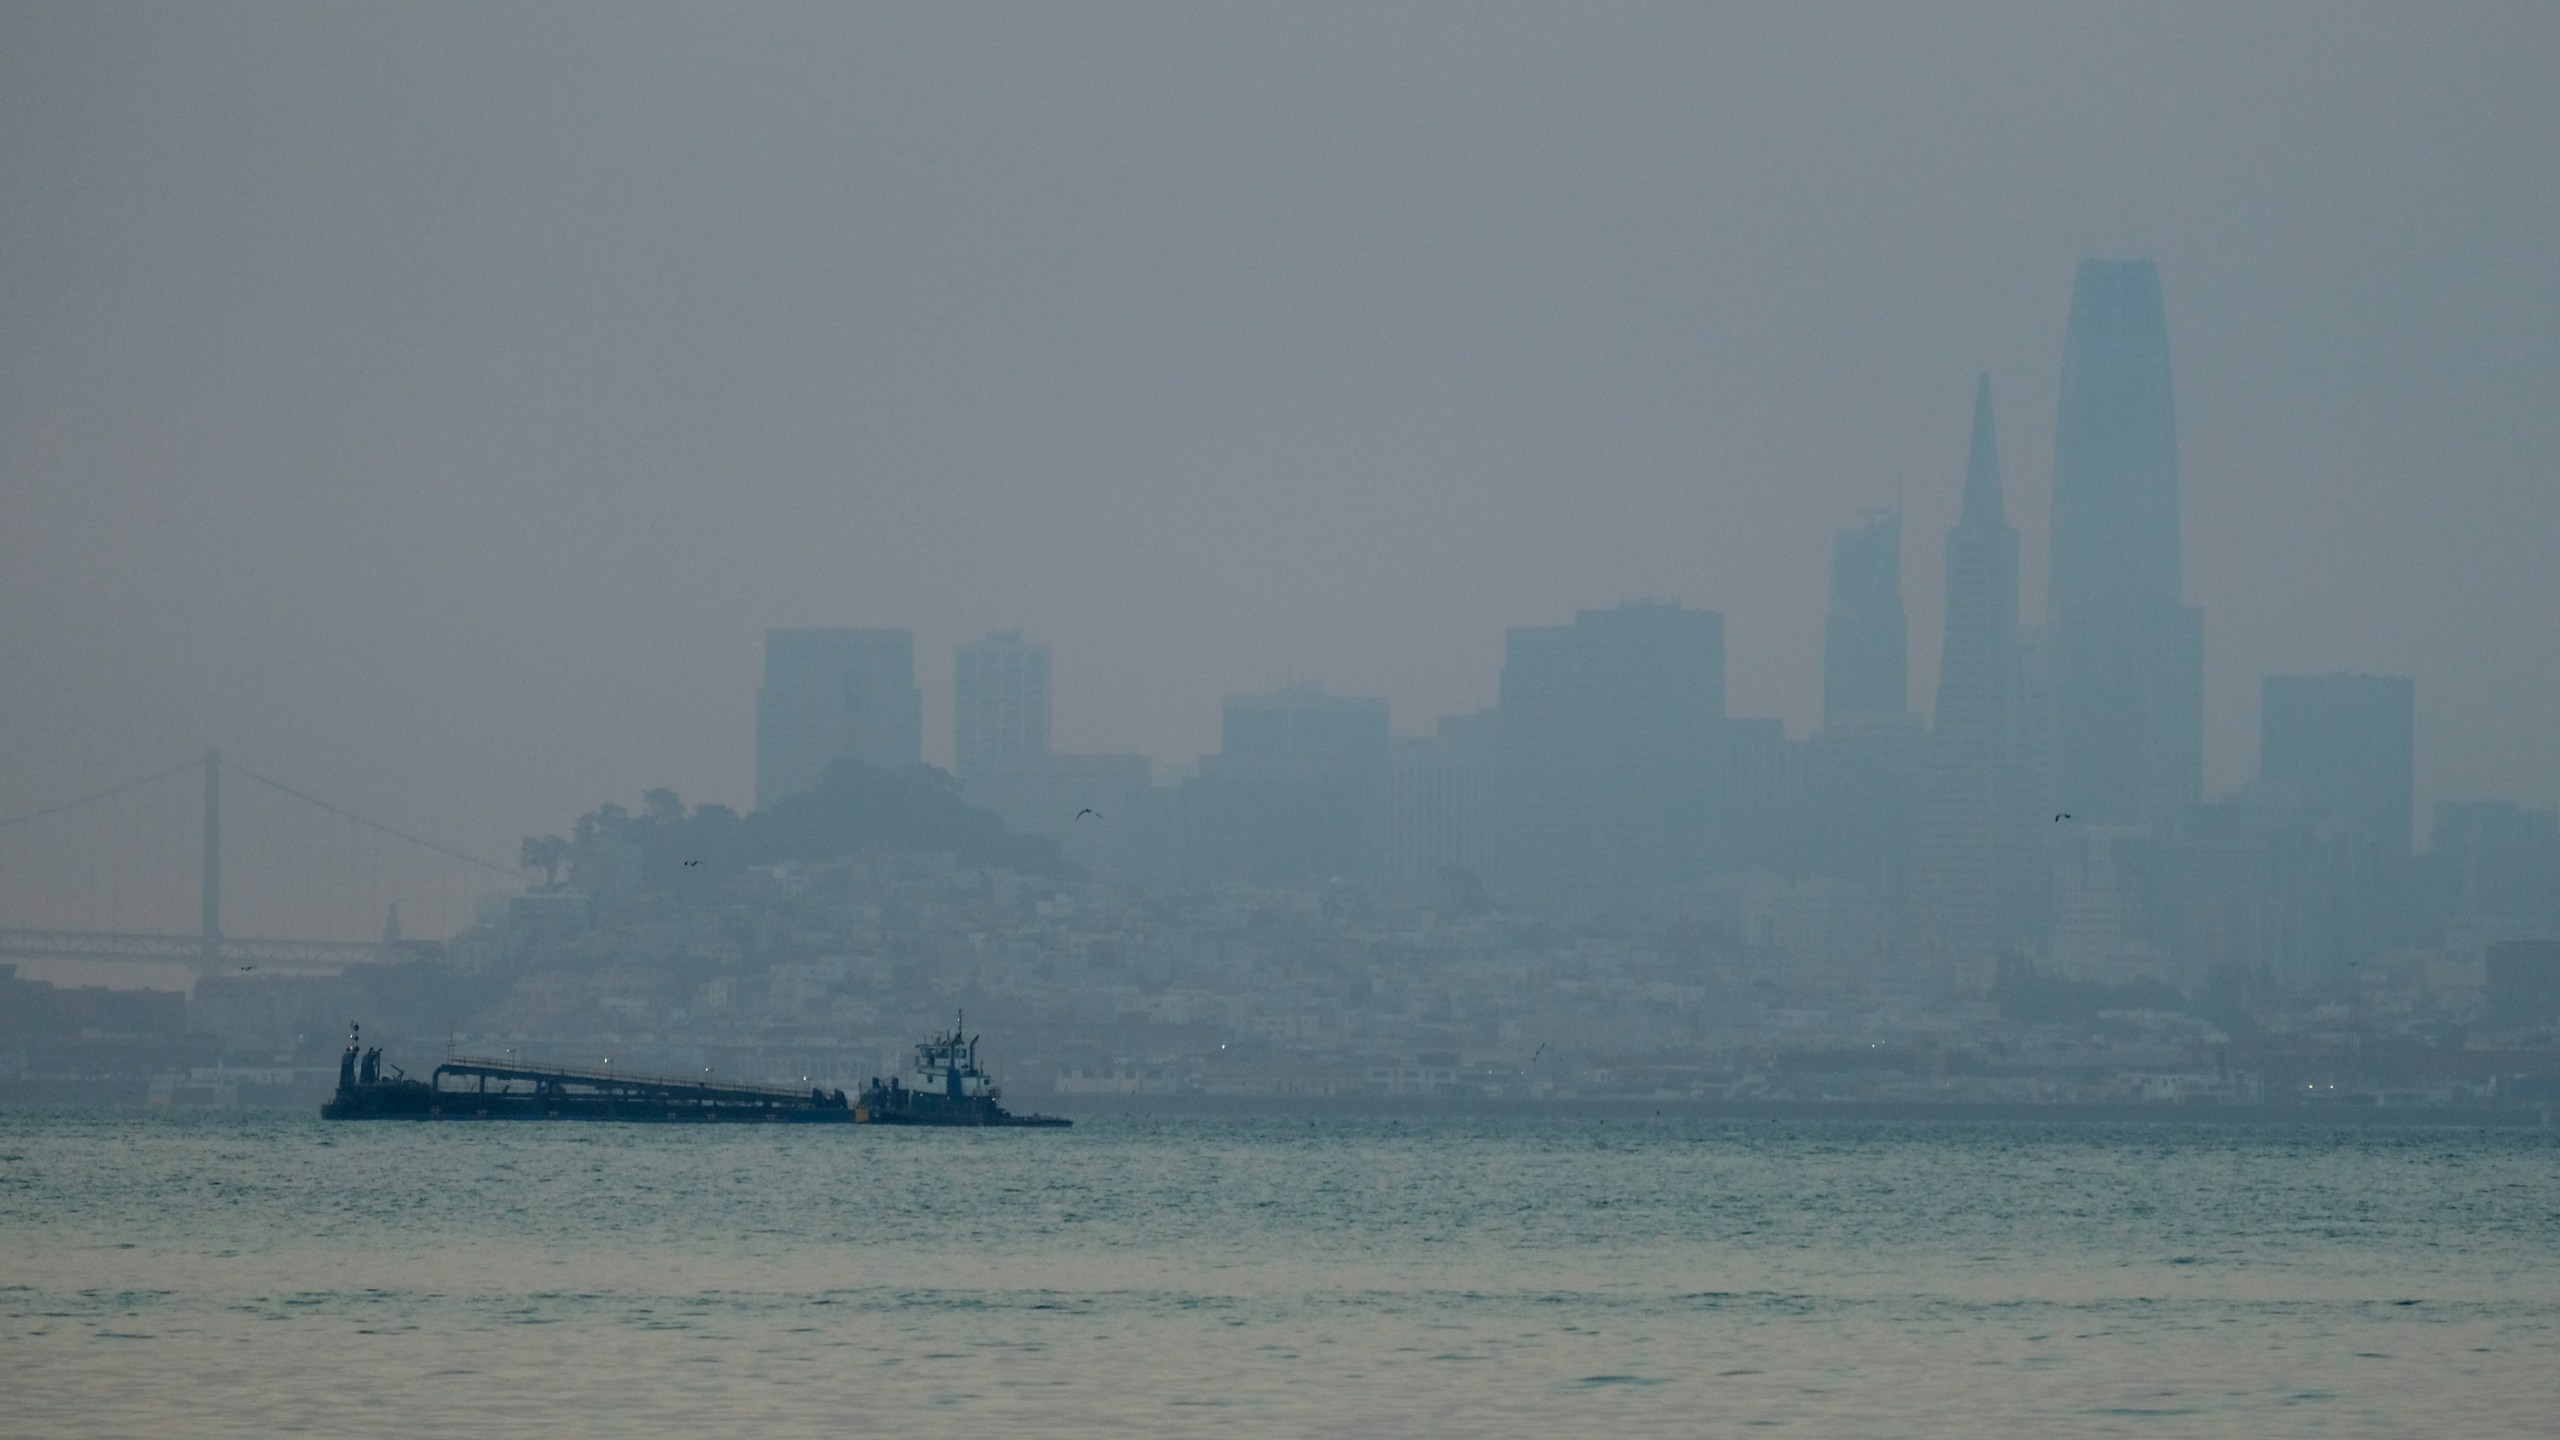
pixel 465 1105
pixel 505 1090
pixel 465 1089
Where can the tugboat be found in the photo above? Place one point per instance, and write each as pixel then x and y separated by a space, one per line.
pixel 363 1090
pixel 950 1090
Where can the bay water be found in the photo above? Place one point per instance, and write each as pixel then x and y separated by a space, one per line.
pixel 272 1274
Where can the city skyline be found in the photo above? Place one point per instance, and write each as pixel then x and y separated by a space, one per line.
pixel 2116 617
pixel 1993 747
pixel 450 458
pixel 1554 716
pixel 2118 303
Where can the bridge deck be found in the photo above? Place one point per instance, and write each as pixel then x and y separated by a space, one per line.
pixel 231 951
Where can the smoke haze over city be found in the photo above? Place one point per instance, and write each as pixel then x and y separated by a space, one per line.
pixel 1311 718
pixel 435 406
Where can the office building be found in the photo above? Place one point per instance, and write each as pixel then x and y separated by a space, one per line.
pixel 1610 743
pixel 1298 789
pixel 1975 864
pixel 1850 811
pixel 1441 800
pixel 830 694
pixel 1000 709
pixel 1865 642
pixel 1096 806
pixel 2129 651
pixel 2343 747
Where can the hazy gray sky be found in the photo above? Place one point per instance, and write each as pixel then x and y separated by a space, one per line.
pixel 432 404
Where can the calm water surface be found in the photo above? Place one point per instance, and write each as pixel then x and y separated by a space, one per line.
pixel 272 1275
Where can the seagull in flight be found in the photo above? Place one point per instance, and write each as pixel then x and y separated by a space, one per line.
pixel 693 862
pixel 248 967
pixel 1088 810
pixel 2064 816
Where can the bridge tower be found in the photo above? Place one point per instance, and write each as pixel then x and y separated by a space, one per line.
pixel 212 874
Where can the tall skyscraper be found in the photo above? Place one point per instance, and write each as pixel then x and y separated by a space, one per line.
pixel 1975 863
pixel 2128 650
pixel 830 693
pixel 2343 747
pixel 1610 742
pixel 1865 642
pixel 1000 714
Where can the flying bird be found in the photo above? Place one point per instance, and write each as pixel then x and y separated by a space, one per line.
pixel 693 862
pixel 1088 810
pixel 248 967
pixel 2062 817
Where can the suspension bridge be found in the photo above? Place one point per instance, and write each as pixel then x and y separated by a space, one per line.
pixel 142 872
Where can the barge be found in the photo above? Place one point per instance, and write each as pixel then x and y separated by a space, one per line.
pixel 951 1090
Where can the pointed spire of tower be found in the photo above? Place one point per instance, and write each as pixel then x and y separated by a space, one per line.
pixel 1974 868
pixel 1982 469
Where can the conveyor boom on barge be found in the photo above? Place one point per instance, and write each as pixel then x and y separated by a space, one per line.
pixel 467 1088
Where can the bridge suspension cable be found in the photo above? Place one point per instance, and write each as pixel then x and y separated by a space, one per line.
pixel 127 871
pixel 94 796
pixel 510 871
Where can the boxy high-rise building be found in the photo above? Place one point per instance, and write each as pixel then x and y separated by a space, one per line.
pixel 830 693
pixel 1850 808
pixel 1611 740
pixel 2344 747
pixel 1000 714
pixel 1440 807
pixel 1095 806
pixel 1866 663
pixel 1297 790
